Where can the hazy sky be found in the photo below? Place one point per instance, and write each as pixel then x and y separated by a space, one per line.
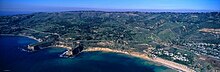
pixel 30 5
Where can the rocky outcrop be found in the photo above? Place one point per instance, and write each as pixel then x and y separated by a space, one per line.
pixel 33 48
pixel 73 52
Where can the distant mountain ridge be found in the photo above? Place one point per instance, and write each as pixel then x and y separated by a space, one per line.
pixel 61 9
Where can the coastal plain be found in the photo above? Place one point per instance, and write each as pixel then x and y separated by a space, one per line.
pixel 187 41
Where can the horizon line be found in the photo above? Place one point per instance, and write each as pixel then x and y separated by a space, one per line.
pixel 8 13
pixel 54 9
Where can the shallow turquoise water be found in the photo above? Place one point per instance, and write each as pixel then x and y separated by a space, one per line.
pixel 48 60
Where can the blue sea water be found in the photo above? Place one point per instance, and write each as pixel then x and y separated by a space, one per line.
pixel 13 59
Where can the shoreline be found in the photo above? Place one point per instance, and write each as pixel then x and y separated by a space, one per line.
pixel 31 37
pixel 167 63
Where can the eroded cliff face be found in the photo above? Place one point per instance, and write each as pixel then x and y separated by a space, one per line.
pixel 78 49
pixel 73 51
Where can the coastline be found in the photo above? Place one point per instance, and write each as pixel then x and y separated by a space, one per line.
pixel 167 63
pixel 31 37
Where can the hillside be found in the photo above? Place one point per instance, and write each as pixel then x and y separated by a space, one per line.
pixel 179 37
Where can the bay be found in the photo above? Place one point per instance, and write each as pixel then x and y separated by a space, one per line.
pixel 14 59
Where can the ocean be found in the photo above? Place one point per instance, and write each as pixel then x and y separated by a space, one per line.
pixel 15 59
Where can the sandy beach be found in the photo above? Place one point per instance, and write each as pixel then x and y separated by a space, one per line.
pixel 164 62
pixel 170 64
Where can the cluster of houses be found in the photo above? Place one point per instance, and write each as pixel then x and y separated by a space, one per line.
pixel 174 56
pixel 212 50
